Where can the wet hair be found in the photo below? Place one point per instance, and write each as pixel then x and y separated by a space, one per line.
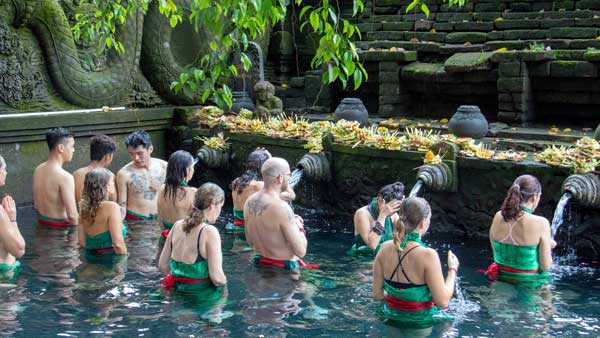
pixel 138 138
pixel 179 161
pixel 522 189
pixel 208 194
pixel 95 190
pixel 255 161
pixel 101 145
pixel 413 211
pixel 394 191
pixel 56 136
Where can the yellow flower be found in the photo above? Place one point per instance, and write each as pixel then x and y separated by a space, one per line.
pixel 429 156
pixel 284 85
pixel 444 120
pixel 553 131
pixel 498 19
pixel 501 50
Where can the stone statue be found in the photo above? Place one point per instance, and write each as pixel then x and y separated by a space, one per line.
pixel 267 103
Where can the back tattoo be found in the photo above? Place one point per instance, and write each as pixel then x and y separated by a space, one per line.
pixel 257 205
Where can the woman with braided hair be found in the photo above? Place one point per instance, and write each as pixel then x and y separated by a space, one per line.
pixel 521 241
pixel 191 257
pixel 101 230
pixel 407 274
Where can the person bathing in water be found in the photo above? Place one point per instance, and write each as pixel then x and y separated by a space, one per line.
pixel 175 197
pixel 12 244
pixel 139 180
pixel 272 230
pixel 102 149
pixel 407 274
pixel 103 230
pixel 249 183
pixel 192 257
pixel 373 223
pixel 53 187
pixel 521 241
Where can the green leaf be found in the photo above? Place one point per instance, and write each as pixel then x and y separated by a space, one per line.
pixel 412 5
pixel 314 20
pixel 357 79
pixel 332 15
pixel 425 9
pixel 173 21
pixel 108 41
pixel 213 45
pixel 304 9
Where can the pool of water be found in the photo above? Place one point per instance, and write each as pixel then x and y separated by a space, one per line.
pixel 61 293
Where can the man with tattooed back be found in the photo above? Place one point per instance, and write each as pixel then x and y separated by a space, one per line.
pixel 274 232
pixel 139 180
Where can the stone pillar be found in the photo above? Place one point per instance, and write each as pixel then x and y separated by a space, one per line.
pixel 515 100
pixel 393 98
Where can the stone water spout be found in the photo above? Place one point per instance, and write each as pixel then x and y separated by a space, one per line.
pixel 316 167
pixel 437 177
pixel 585 189
pixel 212 158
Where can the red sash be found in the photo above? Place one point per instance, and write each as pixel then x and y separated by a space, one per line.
pixel 239 222
pixel 407 305
pixel 165 233
pixel 103 250
pixel 281 263
pixel 170 280
pixel 54 224
pixel 130 217
pixel 493 271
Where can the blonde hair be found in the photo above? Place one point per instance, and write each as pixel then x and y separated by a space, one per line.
pixel 207 194
pixel 413 211
pixel 95 189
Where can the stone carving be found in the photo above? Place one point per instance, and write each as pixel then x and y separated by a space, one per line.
pixel 267 103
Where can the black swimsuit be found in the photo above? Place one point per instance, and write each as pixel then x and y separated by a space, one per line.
pixel 400 285
pixel 199 258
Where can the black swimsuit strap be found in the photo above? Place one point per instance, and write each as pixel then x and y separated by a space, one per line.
pixel 400 259
pixel 199 258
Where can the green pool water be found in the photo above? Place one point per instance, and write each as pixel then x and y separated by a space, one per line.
pixel 60 292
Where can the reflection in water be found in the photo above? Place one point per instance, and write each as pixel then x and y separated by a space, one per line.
pixel 63 291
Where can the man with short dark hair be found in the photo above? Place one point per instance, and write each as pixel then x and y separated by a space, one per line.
pixel 102 149
pixel 53 187
pixel 139 180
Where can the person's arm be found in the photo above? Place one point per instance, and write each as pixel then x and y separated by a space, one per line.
pixel 545 247
pixel 291 231
pixel 495 221
pixel 67 191
pixel 9 230
pixel 122 178
pixel 288 195
pixel 247 229
pixel 441 290
pixel 116 229
pixel 165 255
pixel 215 257
pixel 112 195
pixel 363 227
pixel 378 291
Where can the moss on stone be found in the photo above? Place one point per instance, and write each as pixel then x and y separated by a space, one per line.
pixel 462 37
pixel 465 62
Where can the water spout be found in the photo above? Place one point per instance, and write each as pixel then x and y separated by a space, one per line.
pixel 584 188
pixel 296 177
pixel 261 65
pixel 557 220
pixel 437 177
pixel 315 167
pixel 212 158
pixel 416 188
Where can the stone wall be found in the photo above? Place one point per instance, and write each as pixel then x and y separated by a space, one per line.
pixel 358 173
pixel 23 144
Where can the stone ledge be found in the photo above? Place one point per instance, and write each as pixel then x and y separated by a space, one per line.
pixel 398 56
pixel 466 62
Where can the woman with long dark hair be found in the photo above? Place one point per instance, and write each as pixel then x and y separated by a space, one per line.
pixel 192 257
pixel 102 229
pixel 250 182
pixel 407 274
pixel 521 241
pixel 373 223
pixel 12 244
pixel 175 197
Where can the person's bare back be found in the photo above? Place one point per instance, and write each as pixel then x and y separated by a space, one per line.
pixel 52 186
pixel 272 229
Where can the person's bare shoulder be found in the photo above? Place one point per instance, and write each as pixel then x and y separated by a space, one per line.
pixel 125 170
pixel 256 204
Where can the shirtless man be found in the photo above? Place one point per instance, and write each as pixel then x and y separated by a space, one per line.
pixel 53 187
pixel 272 230
pixel 139 180
pixel 102 149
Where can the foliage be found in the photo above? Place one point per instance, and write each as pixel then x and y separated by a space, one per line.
pixel 230 26
pixel 537 47
pixel 421 5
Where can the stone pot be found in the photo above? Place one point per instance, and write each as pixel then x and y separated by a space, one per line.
pixel 351 109
pixel 597 133
pixel 468 121
pixel 241 100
